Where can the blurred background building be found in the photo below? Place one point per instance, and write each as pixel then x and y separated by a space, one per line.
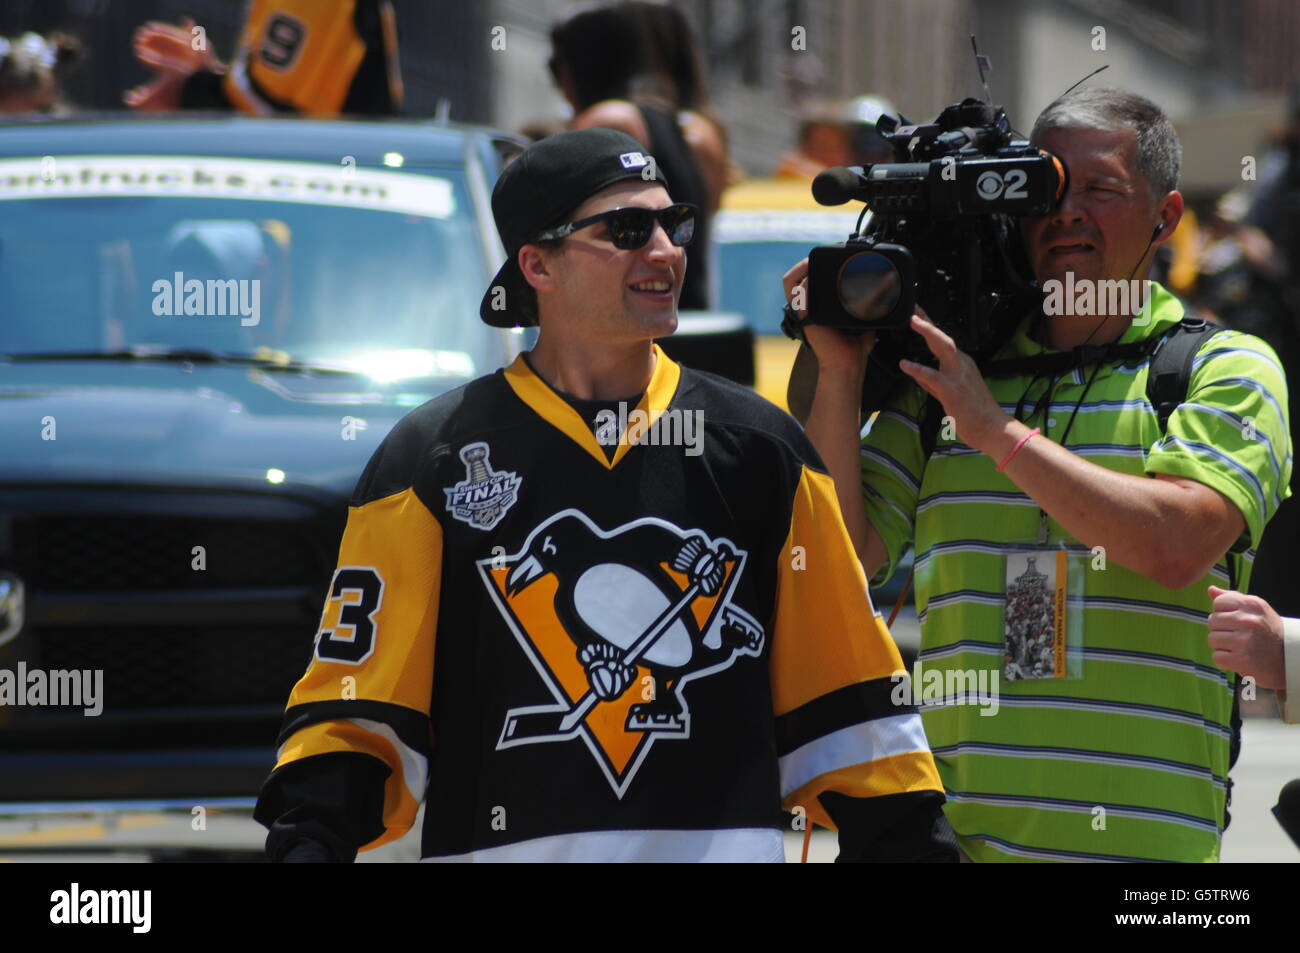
pixel 1220 67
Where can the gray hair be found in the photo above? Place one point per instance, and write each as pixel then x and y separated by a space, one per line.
pixel 1159 154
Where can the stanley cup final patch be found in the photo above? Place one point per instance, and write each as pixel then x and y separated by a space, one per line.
pixel 484 496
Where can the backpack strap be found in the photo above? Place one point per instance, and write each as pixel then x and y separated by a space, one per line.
pixel 1234 744
pixel 1054 364
pixel 1170 373
pixel 1064 361
pixel 1169 376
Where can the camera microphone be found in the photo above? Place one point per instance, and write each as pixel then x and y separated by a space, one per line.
pixel 1287 810
pixel 838 184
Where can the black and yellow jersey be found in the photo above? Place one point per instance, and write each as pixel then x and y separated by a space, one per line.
pixel 578 656
pixel 313 57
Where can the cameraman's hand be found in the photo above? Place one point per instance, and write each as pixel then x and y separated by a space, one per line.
pixel 835 418
pixel 835 350
pixel 959 386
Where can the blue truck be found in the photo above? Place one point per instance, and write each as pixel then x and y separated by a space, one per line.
pixel 207 325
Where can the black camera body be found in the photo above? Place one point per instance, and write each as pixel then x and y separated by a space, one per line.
pixel 942 234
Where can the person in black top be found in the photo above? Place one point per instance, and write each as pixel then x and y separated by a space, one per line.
pixel 612 64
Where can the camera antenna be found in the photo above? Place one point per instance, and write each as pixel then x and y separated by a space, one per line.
pixel 1084 80
pixel 984 66
pixel 1076 85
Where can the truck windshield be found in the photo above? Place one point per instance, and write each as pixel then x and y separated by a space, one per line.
pixel 372 270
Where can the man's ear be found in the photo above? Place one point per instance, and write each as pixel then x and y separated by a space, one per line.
pixel 535 263
pixel 1170 211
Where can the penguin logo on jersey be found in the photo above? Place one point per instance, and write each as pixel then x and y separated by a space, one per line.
pixel 616 624
pixel 484 496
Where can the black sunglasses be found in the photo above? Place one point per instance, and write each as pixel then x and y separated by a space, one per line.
pixel 632 227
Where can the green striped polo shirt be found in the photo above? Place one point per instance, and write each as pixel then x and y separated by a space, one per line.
pixel 1144 732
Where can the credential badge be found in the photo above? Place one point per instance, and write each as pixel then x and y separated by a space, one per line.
pixel 484 496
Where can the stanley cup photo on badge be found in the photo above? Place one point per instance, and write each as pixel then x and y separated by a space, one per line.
pixel 1030 623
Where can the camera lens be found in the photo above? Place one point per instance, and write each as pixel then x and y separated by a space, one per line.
pixel 869 286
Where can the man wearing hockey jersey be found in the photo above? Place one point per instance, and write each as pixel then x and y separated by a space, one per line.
pixel 576 648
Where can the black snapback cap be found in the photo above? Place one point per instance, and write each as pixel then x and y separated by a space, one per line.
pixel 541 187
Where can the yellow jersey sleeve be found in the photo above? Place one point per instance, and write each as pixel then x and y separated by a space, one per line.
pixel 367 689
pixel 835 670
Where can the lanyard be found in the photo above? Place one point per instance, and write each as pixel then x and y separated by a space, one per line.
pixel 1045 402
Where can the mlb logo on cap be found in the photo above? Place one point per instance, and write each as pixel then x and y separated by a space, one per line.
pixel 633 160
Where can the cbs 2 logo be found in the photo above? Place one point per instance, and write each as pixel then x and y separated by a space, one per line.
pixel 991 185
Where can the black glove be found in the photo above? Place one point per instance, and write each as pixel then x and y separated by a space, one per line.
pixel 307 852
pixel 897 828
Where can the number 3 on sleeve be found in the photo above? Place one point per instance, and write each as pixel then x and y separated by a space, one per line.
pixel 359 591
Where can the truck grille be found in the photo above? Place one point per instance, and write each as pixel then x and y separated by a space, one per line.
pixel 197 667
pixel 118 592
pixel 121 554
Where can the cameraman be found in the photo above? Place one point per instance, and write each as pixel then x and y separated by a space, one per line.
pixel 1126 756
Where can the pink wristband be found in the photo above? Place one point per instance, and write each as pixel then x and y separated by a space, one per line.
pixel 1014 450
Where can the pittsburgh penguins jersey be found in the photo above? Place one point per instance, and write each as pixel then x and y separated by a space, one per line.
pixel 573 655
pixel 316 57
